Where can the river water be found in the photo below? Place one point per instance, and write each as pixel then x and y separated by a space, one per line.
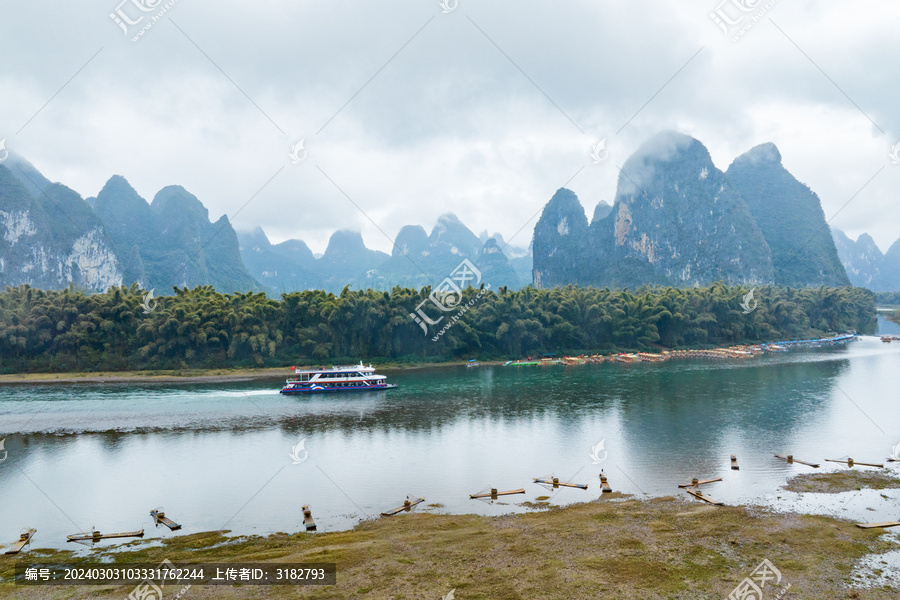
pixel 219 456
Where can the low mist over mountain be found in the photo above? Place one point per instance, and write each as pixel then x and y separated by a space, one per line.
pixel 678 220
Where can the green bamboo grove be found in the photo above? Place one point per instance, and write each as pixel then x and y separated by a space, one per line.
pixel 68 330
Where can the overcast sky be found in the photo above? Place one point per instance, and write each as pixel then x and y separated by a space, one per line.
pixel 411 112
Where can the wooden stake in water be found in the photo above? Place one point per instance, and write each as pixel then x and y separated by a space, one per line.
pixel 308 522
pixel 604 484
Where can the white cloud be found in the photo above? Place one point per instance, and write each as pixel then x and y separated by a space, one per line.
pixel 450 124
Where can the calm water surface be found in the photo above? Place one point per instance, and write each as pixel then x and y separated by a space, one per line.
pixel 218 456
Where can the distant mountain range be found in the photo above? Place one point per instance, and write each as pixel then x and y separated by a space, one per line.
pixel 675 220
pixel 417 260
pixel 678 220
pixel 866 265
pixel 52 238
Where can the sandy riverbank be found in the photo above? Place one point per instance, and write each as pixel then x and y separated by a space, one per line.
pixel 193 375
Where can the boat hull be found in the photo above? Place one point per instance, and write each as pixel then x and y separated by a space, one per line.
pixel 330 390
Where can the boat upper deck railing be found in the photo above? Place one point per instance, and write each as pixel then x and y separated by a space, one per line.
pixel 334 369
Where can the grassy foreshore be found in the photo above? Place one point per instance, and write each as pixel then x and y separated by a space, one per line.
pixel 614 547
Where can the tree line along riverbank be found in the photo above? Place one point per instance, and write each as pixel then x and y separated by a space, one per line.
pixel 199 328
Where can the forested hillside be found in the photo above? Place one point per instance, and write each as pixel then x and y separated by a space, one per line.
pixel 68 330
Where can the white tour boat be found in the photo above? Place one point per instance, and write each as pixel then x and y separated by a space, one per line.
pixel 356 378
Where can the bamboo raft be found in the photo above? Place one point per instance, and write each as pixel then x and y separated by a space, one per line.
pixel 555 482
pixel 704 497
pixel 850 462
pixel 160 517
pixel 627 358
pixel 494 493
pixel 407 505
pixel 95 535
pixel 24 540
pixel 790 458
pixel 604 484
pixel 696 482
pixel 874 525
pixel 308 522
pixel 734 465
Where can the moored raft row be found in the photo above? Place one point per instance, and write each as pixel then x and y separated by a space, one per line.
pixel 730 352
